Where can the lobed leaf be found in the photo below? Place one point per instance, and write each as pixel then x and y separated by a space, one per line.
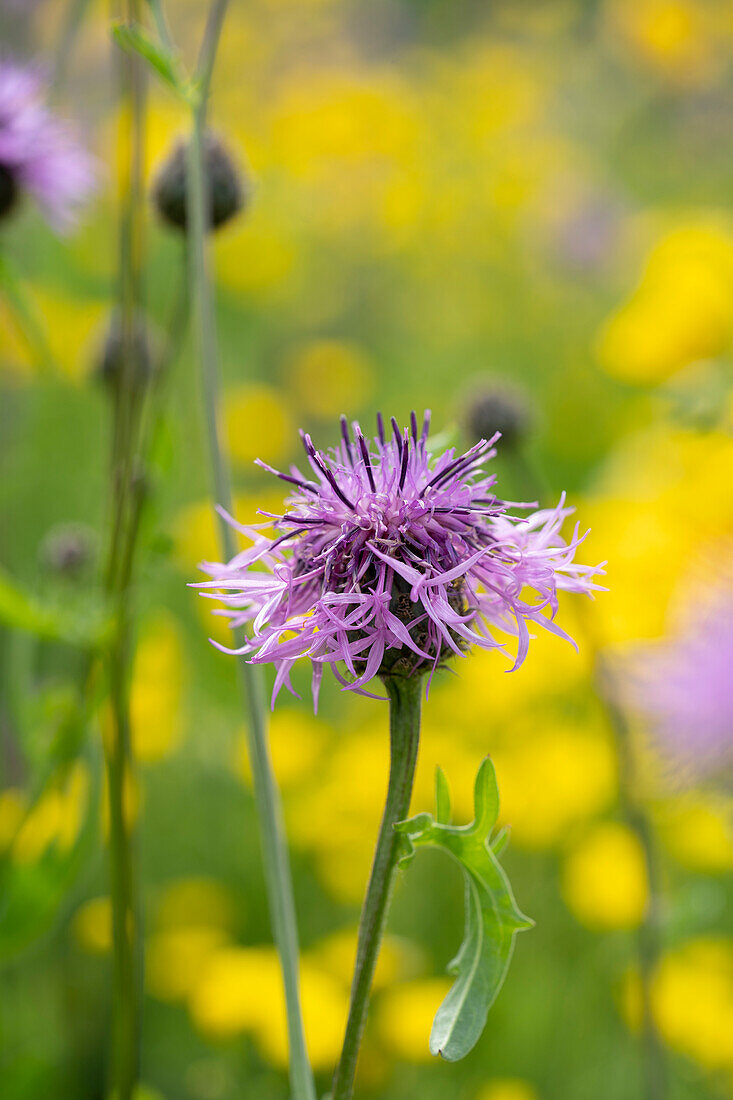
pixel 492 915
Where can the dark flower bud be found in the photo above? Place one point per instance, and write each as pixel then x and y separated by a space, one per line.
pixel 8 191
pixel 497 407
pixel 228 189
pixel 67 550
pixel 142 348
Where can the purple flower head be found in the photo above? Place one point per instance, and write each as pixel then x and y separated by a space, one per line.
pixel 683 688
pixel 38 153
pixel 388 560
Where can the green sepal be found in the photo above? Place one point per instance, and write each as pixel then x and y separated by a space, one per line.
pixel 492 915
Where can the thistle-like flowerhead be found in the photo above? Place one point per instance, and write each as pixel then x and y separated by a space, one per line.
pixel 388 560
pixel 38 153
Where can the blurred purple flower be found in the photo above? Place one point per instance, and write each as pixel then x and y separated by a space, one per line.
pixel 388 561
pixel 684 688
pixel 38 152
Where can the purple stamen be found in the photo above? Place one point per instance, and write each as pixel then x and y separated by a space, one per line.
pixel 405 456
pixel 367 463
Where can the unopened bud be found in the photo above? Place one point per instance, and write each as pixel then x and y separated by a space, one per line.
pixel 497 407
pixel 140 345
pixel 228 189
pixel 67 550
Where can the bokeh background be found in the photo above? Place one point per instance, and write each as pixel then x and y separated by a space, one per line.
pixel 443 190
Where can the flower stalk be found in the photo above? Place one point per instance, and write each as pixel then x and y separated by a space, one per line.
pixel 404 728
pixel 274 850
pixel 127 492
pixel 648 945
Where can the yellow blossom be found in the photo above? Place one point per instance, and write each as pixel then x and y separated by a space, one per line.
pixel 257 255
pixel 240 990
pixel 677 38
pixel 92 925
pixel 404 1016
pixel 649 541
pixel 350 791
pixel 156 691
pixel 554 778
pixel 297 740
pixel 697 831
pixel 196 534
pixel 329 376
pixel 507 1088
pixel 681 311
pixel 175 957
pixel 604 878
pixel 196 901
pixel 336 955
pixel 692 1001
pixel 258 425
pixel 56 818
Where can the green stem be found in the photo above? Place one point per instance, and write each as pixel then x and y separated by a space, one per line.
pixel 649 947
pixel 124 917
pixel 267 800
pixel 73 20
pixel 127 497
pixel 404 729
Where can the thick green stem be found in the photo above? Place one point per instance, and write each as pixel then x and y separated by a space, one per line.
pixel 404 730
pixel 267 800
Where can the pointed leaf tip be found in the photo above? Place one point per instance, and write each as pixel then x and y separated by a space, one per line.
pixel 485 798
pixel 442 798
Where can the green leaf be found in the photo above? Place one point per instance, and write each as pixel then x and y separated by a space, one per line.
pixel 135 39
pixel 492 915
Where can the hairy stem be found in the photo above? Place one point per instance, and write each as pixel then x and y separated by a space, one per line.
pixel 267 800
pixel 404 729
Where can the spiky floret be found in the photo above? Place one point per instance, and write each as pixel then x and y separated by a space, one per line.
pixel 387 560
pixel 38 152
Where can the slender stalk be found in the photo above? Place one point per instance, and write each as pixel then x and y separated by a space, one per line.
pixel 125 1044
pixel 267 800
pixel 648 944
pixel 72 23
pixel 648 938
pixel 404 730
pixel 126 492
